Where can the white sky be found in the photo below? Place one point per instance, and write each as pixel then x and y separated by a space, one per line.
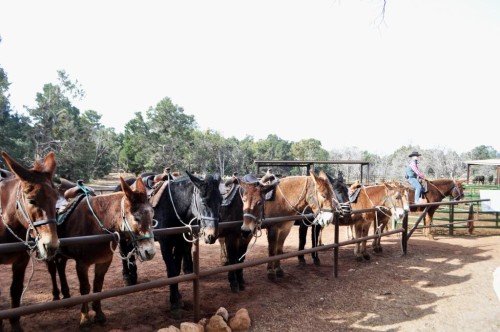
pixel 428 75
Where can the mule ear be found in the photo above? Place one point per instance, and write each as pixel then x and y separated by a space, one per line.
pixel 139 185
pixel 196 180
pixel 49 164
pixel 125 187
pixel 19 170
pixel 314 176
pixel 323 175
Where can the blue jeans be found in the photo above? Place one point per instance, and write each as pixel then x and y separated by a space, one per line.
pixel 418 188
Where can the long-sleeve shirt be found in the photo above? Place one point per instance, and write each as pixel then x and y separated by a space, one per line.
pixel 416 169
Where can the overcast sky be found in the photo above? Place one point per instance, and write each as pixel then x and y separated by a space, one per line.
pixel 426 74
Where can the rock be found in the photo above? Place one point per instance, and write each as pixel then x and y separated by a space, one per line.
pixel 241 320
pixel 217 324
pixel 223 313
pixel 191 327
pixel 171 328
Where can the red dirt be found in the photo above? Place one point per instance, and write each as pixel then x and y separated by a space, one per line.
pixel 440 285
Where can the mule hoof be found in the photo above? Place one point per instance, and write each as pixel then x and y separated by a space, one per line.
pixel 366 257
pixel 280 273
pixel 302 263
pixel 271 276
pixel 16 327
pixel 85 324
pixel 129 280
pixel 359 258
pixel 100 318
pixel 242 286
pixel 235 288
pixel 176 305
pixel 317 262
pixel 176 314
pixel 377 249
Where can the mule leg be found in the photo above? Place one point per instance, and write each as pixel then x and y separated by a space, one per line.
pixel 379 227
pixel 52 268
pixel 315 236
pixel 16 289
pixel 61 271
pixel 232 249
pixel 129 267
pixel 283 232
pixel 224 260
pixel 100 272
pixel 302 241
pixel 272 239
pixel 361 230
pixel 173 264
pixel 82 271
pixel 242 250
pixel 187 259
pixel 427 231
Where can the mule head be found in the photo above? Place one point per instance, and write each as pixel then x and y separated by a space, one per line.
pixel 341 198
pixel 398 199
pixel 253 198
pixel 36 199
pixel 208 200
pixel 137 218
pixel 458 190
pixel 320 198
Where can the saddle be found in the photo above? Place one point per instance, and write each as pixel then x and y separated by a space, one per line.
pixel 72 197
pixel 227 198
pixel 424 184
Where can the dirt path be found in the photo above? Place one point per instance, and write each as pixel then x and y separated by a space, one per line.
pixel 441 285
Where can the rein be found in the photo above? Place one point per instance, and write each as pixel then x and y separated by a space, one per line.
pixel 455 187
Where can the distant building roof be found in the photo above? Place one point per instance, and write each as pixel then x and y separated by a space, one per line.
pixel 487 162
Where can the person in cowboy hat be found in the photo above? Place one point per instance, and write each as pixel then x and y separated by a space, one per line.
pixel 414 175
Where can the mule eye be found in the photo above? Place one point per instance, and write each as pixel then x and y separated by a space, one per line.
pixel 32 201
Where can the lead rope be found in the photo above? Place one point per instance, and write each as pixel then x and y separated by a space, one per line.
pixel 32 249
pixel 180 219
pixel 258 230
pixel 116 235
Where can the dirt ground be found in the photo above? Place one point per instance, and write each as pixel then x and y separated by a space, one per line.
pixel 440 285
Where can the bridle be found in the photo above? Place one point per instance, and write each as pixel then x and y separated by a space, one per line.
pixel 125 226
pixel 341 208
pixel 32 225
pixel 455 188
pixel 199 217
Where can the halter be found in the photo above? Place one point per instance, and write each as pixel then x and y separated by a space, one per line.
pixel 341 207
pixel 455 187
pixel 382 208
pixel 125 226
pixel 199 217
pixel 32 225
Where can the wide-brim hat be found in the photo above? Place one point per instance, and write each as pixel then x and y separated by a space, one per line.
pixel 414 154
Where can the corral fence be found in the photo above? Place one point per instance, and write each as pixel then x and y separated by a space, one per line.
pixel 466 214
pixel 197 274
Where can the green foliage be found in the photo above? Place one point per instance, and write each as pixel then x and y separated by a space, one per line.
pixel 13 127
pixel 165 136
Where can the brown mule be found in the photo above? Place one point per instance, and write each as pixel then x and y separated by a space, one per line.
pixel 125 214
pixel 27 214
pixel 292 195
